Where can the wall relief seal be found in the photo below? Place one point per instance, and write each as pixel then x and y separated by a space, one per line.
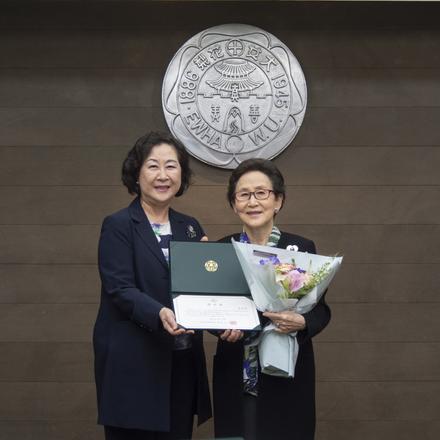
pixel 234 92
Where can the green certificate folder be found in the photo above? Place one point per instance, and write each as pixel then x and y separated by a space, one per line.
pixel 206 268
pixel 209 289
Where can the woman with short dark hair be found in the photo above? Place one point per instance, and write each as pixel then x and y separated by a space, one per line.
pixel 150 374
pixel 141 150
pixel 248 403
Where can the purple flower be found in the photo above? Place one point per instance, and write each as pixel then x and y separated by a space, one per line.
pixel 297 279
pixel 270 260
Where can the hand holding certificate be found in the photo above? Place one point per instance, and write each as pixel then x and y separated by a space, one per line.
pixel 209 288
pixel 216 312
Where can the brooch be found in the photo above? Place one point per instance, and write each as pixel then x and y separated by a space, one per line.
pixel 190 231
pixel 292 247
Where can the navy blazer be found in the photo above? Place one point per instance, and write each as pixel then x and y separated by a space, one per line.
pixel 133 352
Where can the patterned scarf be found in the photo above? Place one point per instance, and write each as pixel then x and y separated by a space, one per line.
pixel 250 357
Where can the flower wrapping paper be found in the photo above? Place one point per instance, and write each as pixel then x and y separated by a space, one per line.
pixel 278 352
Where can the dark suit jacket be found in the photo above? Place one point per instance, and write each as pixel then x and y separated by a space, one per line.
pixel 285 407
pixel 133 352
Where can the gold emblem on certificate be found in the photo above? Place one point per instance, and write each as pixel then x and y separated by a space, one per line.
pixel 211 266
pixel 233 92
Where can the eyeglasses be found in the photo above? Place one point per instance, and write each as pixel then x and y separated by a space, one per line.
pixel 259 194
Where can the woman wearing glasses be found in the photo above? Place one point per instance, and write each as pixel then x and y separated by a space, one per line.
pixel 248 403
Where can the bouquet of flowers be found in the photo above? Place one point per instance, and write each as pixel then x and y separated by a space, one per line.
pixel 295 281
pixel 281 279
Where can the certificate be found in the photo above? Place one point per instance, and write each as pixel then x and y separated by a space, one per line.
pixel 216 312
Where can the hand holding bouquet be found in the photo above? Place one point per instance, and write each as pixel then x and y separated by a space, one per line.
pixel 280 281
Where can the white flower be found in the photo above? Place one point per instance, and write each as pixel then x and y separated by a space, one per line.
pixel 292 247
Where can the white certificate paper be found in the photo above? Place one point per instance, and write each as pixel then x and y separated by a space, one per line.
pixel 216 312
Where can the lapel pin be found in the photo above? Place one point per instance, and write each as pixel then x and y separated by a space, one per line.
pixel 190 231
pixel 292 247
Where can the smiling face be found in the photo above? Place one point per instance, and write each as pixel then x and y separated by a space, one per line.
pixel 256 214
pixel 160 176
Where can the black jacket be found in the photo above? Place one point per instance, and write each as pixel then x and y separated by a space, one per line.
pixel 285 407
pixel 132 350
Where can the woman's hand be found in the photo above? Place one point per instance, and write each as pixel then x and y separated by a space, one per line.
pixel 287 321
pixel 204 238
pixel 169 323
pixel 231 335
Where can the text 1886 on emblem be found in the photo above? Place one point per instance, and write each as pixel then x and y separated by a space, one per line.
pixel 233 92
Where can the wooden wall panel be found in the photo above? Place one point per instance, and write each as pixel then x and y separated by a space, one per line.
pixel 378 430
pixel 392 87
pixel 107 48
pixel 79 82
pixel 117 16
pixel 304 205
pixel 52 87
pixel 63 165
pixel 301 165
pixel 378 400
pixel 30 244
pixel 326 430
pixel 49 283
pixel 47 401
pixel 383 322
pixel 351 322
pixel 331 205
pixel 336 400
pixel 381 244
pixel 378 361
pixel 63 205
pixel 356 283
pixel 47 322
pixel 55 361
pixel 76 125
pixel 124 87
pixel 343 126
pixel 385 47
pixel 346 166
pixel 46 361
pixel 377 126
pixel 393 283
pixel 50 430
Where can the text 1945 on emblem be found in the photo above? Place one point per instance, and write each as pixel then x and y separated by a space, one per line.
pixel 233 92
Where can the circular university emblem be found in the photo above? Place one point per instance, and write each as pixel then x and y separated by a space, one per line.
pixel 234 92
pixel 211 266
